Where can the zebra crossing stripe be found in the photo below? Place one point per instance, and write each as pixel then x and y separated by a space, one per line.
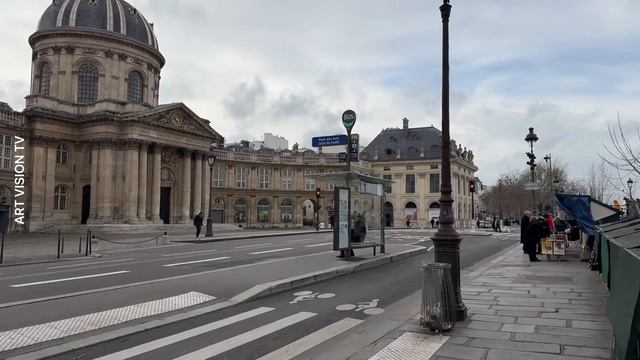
pixel 172 339
pixel 301 345
pixel 239 340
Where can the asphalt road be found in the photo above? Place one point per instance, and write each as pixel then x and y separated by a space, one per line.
pixel 301 322
pixel 37 293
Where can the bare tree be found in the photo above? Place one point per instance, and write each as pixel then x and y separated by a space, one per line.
pixel 598 182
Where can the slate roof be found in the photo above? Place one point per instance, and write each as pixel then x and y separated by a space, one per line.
pixel 412 144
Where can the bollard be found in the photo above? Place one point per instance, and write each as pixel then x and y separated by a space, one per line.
pixel 80 245
pixel 58 243
pixel 93 237
pixel 2 249
pixel 86 245
pixel 62 246
pixel 438 298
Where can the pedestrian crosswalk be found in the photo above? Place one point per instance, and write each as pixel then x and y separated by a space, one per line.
pixel 227 336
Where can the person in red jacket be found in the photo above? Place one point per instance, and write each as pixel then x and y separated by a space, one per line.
pixel 551 224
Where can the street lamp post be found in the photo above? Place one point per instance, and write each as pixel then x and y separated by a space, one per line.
pixel 531 138
pixel 630 184
pixel 500 197
pixel 211 159
pixel 447 240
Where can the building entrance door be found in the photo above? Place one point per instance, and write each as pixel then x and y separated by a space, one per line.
pixel 86 203
pixel 165 205
pixel 217 216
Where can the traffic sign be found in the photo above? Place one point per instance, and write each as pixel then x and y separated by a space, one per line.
pixel 532 186
pixel 348 119
pixel 329 140
pixel 342 156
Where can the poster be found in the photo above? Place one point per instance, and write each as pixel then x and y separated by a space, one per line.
pixel 411 214
pixel 547 247
pixel 343 218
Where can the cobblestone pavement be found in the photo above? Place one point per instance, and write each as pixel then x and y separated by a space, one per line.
pixel 550 310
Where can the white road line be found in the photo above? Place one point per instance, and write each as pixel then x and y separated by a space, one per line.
pixel 71 278
pixel 190 252
pixel 93 263
pixel 62 328
pixel 429 249
pixel 239 340
pixel 172 339
pixel 299 240
pixel 301 345
pixel 269 251
pixel 198 261
pixel 314 245
pixel 249 246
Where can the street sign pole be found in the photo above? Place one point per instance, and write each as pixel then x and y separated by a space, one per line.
pixel 348 120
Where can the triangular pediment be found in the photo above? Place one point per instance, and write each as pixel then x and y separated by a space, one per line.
pixel 178 117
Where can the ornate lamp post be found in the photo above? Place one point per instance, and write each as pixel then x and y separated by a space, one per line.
pixel 630 184
pixel 447 240
pixel 531 138
pixel 211 160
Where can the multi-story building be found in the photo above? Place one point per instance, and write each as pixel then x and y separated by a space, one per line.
pixel 411 157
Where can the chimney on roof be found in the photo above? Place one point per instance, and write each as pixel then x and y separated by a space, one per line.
pixel 405 124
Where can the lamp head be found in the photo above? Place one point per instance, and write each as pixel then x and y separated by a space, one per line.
pixel 531 137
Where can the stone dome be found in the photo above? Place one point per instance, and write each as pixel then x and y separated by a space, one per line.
pixel 112 17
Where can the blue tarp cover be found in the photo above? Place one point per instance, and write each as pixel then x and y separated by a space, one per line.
pixel 579 206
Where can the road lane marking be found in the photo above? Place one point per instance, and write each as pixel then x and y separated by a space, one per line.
pixel 299 240
pixel 172 339
pixel 251 335
pixel 269 251
pixel 301 345
pixel 429 249
pixel 198 261
pixel 190 252
pixel 71 326
pixel 153 281
pixel 323 244
pixel 93 263
pixel 70 279
pixel 249 246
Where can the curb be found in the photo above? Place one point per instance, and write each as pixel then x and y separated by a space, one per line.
pixel 253 293
pixel 255 236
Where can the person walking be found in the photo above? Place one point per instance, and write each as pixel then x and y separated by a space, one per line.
pixel 507 225
pixel 408 223
pixel 535 232
pixel 433 223
pixel 499 224
pixel 524 224
pixel 197 222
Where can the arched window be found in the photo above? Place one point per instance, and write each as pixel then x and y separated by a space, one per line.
pixel 263 211
pixel 60 198
pixel 240 211
pixel 62 154
pixel 45 79
pixel 87 84
pixel 286 210
pixel 134 93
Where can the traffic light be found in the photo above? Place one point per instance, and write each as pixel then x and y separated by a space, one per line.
pixel 472 186
pixel 317 192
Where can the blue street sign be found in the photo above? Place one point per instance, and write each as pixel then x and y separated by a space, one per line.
pixel 329 140
pixel 342 157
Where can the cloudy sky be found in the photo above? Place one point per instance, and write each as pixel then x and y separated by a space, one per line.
pixel 291 67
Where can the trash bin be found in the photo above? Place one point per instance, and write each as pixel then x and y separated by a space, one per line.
pixel 438 298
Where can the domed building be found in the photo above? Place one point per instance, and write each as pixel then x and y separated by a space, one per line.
pixel 98 147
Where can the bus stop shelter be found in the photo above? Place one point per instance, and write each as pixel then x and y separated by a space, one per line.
pixel 359 209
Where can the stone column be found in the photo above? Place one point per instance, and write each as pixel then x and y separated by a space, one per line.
pixel 131 164
pixel 206 187
pixel 186 186
pixel 155 189
pixel 37 184
pixel 197 185
pixel 142 183
pixel 105 208
pixel 94 184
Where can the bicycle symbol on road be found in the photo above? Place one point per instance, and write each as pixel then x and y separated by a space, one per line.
pixel 309 295
pixel 367 307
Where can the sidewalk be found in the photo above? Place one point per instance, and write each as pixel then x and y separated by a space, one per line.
pixel 517 310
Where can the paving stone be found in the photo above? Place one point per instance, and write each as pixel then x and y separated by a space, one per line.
pixel 519 302
pixel 548 301
pixel 498 319
pixel 483 325
pixel 518 328
pixel 522 355
pixel 502 291
pixel 465 298
pixel 587 352
pixel 587 302
pixel 565 340
pixel 515 345
pixel 485 334
pixel 593 325
pixel 566 316
pixel 593 308
pixel 482 302
pixel 581 311
pixel 482 311
pixel 539 321
pixel 457 340
pixel 518 313
pixel 461 352
pixel 473 305
pixel 525 308
pixel 553 330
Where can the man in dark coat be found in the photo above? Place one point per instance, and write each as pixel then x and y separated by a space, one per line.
pixel 535 232
pixel 197 222
pixel 524 224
